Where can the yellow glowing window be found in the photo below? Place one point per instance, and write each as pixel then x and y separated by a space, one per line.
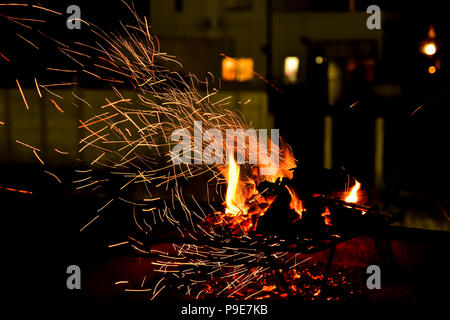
pixel 240 69
pixel 291 65
pixel 228 69
pixel 244 68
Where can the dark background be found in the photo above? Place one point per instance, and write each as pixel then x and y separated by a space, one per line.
pixel 42 229
pixel 415 144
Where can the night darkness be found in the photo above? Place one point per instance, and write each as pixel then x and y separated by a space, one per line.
pixel 361 104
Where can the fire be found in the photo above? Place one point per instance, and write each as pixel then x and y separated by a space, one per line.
pixel 238 200
pixel 244 204
pixel 353 194
pixel 326 216
pixel 296 204
pixel 232 195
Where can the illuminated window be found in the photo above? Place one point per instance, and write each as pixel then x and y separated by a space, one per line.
pixel 291 65
pixel 228 69
pixel 244 68
pixel 240 69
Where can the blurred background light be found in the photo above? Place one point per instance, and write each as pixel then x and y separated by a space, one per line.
pixel 228 69
pixel 244 69
pixel 291 65
pixel 239 69
pixel 431 69
pixel 429 49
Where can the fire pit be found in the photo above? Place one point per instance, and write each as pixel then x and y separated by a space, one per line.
pixel 266 255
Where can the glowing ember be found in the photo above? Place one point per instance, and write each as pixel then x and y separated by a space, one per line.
pixel 353 194
pixel 269 288
pixel 307 282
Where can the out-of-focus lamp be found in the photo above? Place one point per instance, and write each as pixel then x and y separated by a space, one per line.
pixel 291 65
pixel 431 69
pixel 428 46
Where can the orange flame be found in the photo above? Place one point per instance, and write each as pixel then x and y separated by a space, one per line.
pixel 353 194
pixel 243 203
pixel 296 204
pixel 237 198
pixel 232 199
pixel 326 216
